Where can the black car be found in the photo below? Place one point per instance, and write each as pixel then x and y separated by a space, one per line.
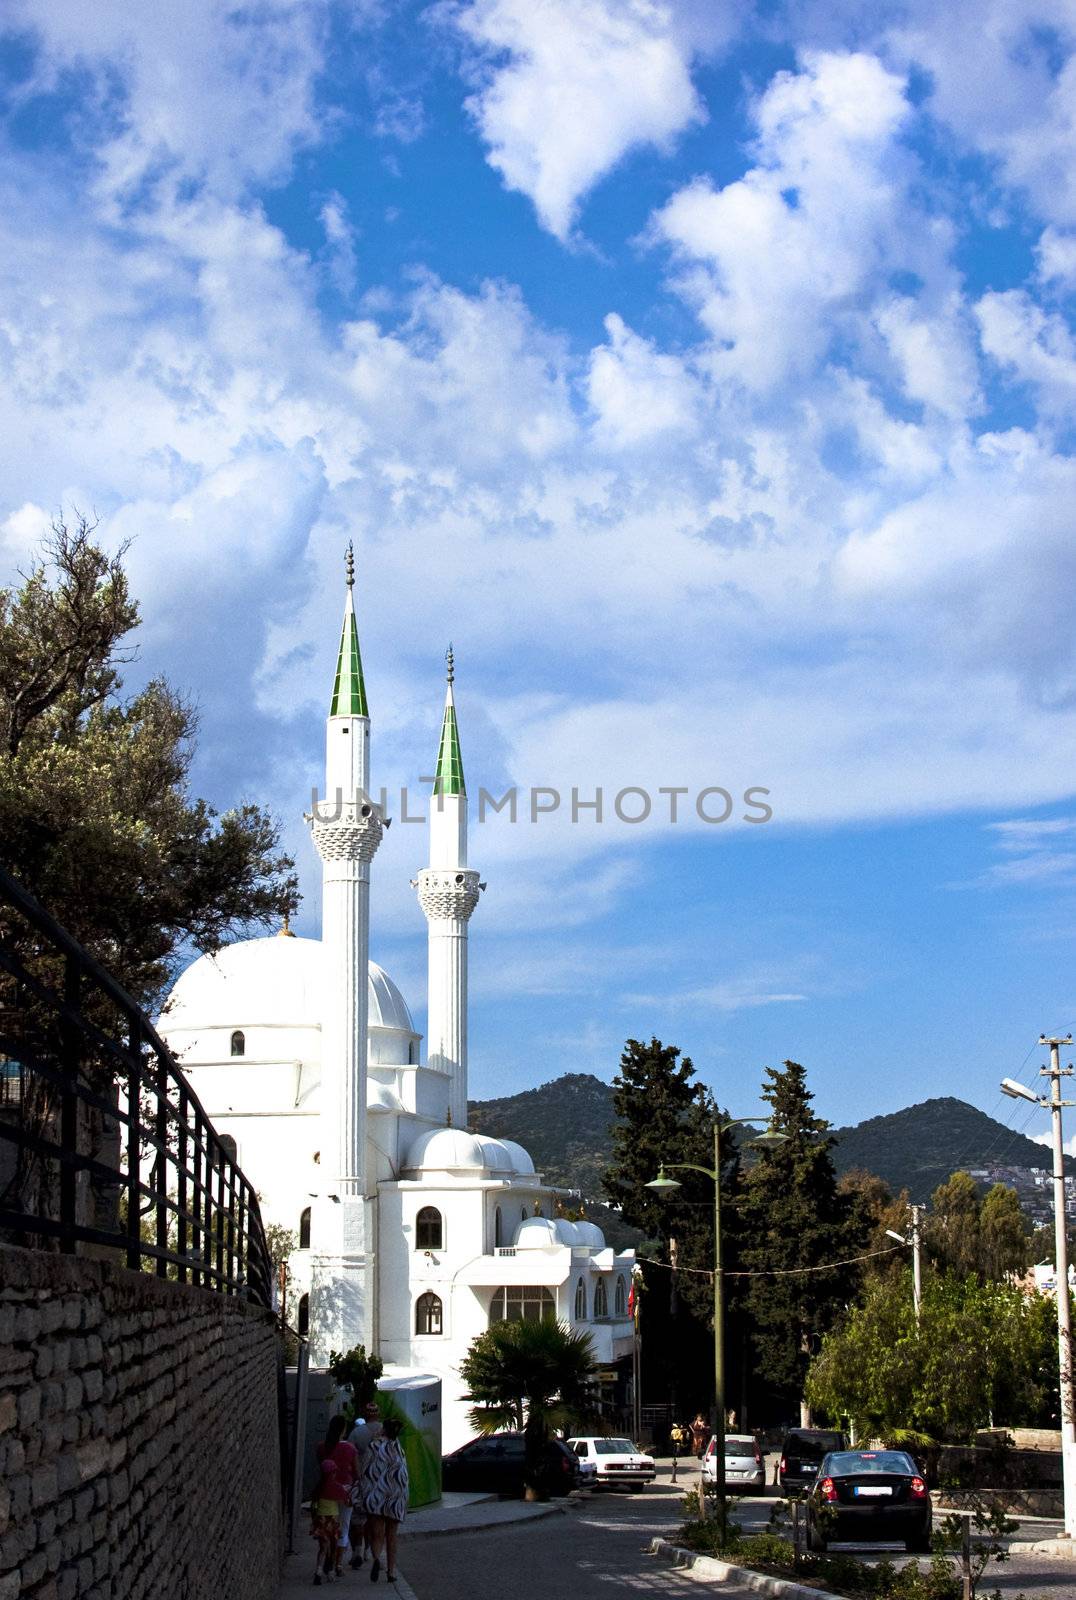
pixel 876 1495
pixel 494 1465
pixel 802 1451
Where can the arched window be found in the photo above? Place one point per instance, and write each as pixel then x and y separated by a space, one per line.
pixel 429 1230
pixel 428 1314
pixel 580 1301
pixel 524 1214
pixel 601 1299
pixel 521 1303
pixel 304 1315
pixel 620 1299
pixel 412 1053
pixel 304 1230
pixel 239 1043
pixel 498 1230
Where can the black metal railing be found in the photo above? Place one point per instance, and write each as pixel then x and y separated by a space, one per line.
pixel 105 1149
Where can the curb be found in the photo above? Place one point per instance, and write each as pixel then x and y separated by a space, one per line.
pixel 1044 1547
pixel 536 1515
pixel 724 1571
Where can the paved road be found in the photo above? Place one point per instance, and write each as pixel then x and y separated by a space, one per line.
pixel 597 1551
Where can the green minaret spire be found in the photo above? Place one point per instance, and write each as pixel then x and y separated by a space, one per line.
pixel 349 690
pixel 449 775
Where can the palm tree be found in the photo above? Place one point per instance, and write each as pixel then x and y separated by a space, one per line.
pixel 531 1376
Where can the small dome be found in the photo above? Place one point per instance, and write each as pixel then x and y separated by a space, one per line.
pixel 522 1165
pixel 537 1233
pixel 498 1155
pixel 388 1008
pixel 446 1150
pixel 590 1234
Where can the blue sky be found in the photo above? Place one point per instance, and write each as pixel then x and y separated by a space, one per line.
pixel 704 373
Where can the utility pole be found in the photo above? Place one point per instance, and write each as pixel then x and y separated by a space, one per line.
pixel 917 1265
pixel 917 1258
pixel 1055 1072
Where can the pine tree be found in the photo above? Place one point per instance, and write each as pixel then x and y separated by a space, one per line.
pixel 666 1116
pixel 794 1216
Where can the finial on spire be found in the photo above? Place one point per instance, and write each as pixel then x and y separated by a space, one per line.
pixel 349 565
pixel 451 662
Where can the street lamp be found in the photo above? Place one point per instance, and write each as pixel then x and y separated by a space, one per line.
pixel 769 1140
pixel 917 1266
pixel 1017 1091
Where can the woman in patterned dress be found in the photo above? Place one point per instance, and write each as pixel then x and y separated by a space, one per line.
pixel 384 1496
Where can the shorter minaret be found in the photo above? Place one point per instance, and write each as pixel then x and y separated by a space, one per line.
pixel 448 893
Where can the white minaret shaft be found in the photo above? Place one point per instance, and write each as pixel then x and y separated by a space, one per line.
pixel 448 893
pixel 347 830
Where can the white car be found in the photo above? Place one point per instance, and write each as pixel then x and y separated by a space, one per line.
pixel 744 1465
pixel 615 1462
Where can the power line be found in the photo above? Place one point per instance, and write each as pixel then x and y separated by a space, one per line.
pixel 775 1272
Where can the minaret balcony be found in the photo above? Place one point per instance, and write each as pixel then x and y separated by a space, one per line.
pixel 353 834
pixel 447 894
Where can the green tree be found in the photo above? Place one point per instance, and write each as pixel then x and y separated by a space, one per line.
pixel 358 1372
pixel 983 1352
pixel 664 1114
pixel 1004 1232
pixel 531 1376
pixel 96 816
pixel 963 1233
pixel 795 1217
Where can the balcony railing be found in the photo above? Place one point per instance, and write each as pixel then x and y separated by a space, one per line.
pixel 105 1149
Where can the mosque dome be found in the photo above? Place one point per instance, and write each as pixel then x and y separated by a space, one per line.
pixel 522 1165
pixel 447 1150
pixel 538 1233
pixel 498 1156
pixel 279 983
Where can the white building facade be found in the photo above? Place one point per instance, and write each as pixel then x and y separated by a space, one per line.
pixel 414 1234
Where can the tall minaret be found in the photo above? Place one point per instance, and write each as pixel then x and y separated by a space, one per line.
pixel 448 893
pixel 347 827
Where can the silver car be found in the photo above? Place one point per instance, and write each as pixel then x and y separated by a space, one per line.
pixel 744 1466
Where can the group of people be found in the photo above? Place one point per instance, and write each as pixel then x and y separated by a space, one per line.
pixel 685 1436
pixel 361 1497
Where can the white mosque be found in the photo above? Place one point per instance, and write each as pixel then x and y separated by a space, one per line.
pixel 414 1234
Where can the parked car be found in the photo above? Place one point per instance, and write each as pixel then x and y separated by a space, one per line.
pixel 862 1495
pixel 494 1465
pixel 744 1466
pixel 802 1451
pixel 617 1462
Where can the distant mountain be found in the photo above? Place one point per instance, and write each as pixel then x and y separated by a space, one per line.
pixel 566 1125
pixel 918 1148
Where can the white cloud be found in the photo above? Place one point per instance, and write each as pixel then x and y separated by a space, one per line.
pixel 636 392
pixel 934 355
pixel 1035 346
pixel 568 87
pixel 776 261
pixel 1056 256
pixel 222 97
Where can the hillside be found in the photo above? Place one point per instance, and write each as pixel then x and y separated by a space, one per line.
pixel 566 1127
pixel 917 1148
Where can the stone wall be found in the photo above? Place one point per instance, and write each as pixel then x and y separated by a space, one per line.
pixel 139 1437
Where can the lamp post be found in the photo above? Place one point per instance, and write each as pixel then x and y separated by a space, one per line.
pixel 917 1264
pixel 1017 1091
pixel 664 1185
